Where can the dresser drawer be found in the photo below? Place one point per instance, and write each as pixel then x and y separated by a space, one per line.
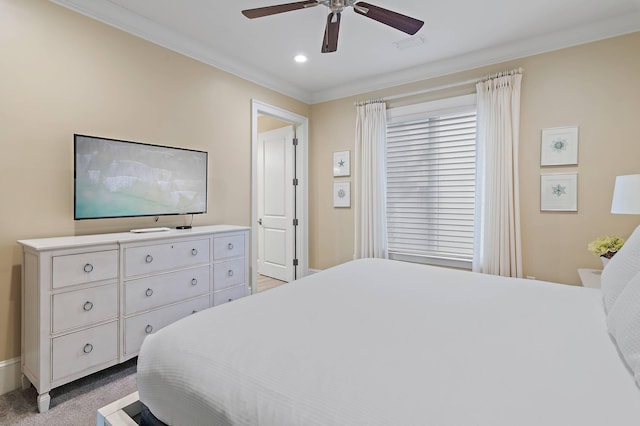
pixel 155 258
pixel 83 350
pixel 137 327
pixel 82 268
pixel 228 246
pixel 229 273
pixel 84 307
pixel 229 295
pixel 152 292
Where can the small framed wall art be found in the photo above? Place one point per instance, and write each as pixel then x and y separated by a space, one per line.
pixel 559 147
pixel 342 194
pixel 559 192
pixel 341 163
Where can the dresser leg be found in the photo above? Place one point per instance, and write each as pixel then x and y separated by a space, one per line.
pixel 26 384
pixel 43 402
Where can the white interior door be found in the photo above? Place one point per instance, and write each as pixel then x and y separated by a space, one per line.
pixel 275 203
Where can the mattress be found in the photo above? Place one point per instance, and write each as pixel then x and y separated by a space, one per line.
pixel 380 342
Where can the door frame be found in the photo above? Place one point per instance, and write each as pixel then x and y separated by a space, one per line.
pixel 301 123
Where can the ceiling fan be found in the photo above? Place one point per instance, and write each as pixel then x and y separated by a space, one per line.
pixel 393 19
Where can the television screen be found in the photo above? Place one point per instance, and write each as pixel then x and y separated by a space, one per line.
pixel 115 178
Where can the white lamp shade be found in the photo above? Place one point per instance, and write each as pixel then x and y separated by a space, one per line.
pixel 626 195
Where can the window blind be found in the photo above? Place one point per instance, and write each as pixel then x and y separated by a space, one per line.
pixel 431 170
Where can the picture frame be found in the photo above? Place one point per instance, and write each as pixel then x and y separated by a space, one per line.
pixel 559 146
pixel 341 163
pixel 559 192
pixel 342 194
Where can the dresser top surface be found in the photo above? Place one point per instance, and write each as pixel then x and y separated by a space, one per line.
pixel 55 243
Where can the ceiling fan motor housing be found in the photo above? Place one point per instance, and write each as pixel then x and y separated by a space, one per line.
pixel 337 6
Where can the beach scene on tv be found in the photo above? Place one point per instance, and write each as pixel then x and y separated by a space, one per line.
pixel 124 179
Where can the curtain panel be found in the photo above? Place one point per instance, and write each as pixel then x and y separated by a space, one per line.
pixel 370 181
pixel 497 248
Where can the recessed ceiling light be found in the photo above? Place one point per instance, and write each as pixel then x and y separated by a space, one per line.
pixel 301 59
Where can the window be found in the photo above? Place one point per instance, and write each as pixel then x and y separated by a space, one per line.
pixel 431 171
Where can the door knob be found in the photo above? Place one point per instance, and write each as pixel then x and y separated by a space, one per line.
pixel 260 221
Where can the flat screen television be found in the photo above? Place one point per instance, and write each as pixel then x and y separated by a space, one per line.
pixel 115 178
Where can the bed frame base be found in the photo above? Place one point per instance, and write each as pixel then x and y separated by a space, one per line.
pixel 121 412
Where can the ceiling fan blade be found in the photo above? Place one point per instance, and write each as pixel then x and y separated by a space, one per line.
pixel 330 41
pixel 393 19
pixel 279 8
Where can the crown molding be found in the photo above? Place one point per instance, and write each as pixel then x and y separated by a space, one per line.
pixel 144 28
pixel 130 22
pixel 601 30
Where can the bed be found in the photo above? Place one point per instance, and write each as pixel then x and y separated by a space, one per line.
pixel 380 342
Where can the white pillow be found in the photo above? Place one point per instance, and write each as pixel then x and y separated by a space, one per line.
pixel 624 324
pixel 620 269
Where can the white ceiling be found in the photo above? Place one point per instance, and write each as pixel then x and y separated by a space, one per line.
pixel 458 35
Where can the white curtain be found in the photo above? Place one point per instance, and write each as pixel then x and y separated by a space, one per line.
pixel 497 248
pixel 370 181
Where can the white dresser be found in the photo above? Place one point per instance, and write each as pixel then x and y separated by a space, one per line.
pixel 89 301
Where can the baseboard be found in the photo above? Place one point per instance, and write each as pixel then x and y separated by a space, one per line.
pixel 9 375
pixel 313 271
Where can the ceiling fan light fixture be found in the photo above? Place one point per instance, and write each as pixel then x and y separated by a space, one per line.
pixel 396 20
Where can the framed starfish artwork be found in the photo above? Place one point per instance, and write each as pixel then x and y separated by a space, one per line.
pixel 341 163
pixel 559 147
pixel 559 192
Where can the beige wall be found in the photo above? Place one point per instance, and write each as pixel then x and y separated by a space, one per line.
pixel 595 86
pixel 62 74
pixel 266 124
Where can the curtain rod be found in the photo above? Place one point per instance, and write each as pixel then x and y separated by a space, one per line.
pixel 502 74
pixel 370 101
pixel 443 87
pixel 433 89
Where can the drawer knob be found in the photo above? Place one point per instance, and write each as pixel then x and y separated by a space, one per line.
pixel 194 252
pixel 87 348
pixel 230 272
pixel 194 281
pixel 230 300
pixel 88 268
pixel 193 312
pixel 148 329
pixel 149 292
pixel 149 258
pixel 87 306
pixel 230 246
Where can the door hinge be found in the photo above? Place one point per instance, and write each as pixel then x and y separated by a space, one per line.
pixel 295 222
pixel 295 141
pixel 295 182
pixel 295 262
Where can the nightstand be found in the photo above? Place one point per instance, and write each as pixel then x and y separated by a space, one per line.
pixel 590 277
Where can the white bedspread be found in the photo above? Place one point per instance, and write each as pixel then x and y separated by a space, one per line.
pixel 375 342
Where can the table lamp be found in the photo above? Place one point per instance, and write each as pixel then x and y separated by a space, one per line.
pixel 626 195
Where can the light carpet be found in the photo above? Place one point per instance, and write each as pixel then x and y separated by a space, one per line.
pixel 74 404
